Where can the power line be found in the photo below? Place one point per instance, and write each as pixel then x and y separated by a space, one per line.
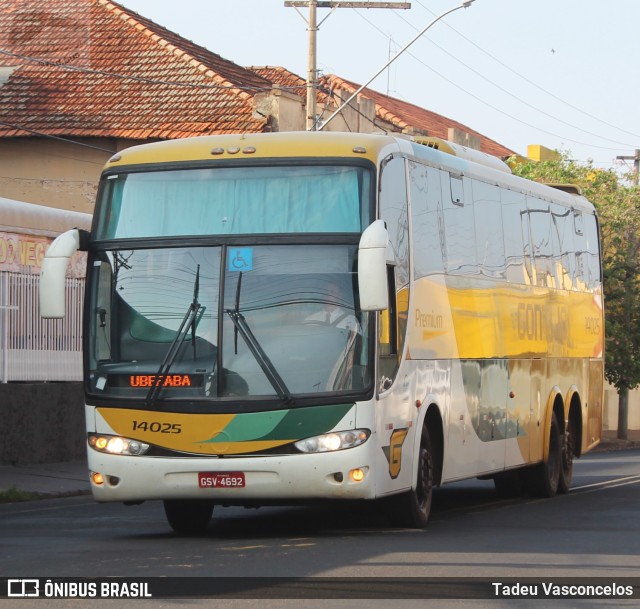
pixel 522 101
pixel 333 95
pixel 537 86
pixel 421 33
pixel 482 101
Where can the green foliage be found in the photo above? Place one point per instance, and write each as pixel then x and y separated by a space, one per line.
pixel 617 200
pixel 14 495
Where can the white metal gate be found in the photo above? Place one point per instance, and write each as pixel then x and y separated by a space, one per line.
pixel 36 349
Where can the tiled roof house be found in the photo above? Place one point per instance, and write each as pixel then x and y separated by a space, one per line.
pixel 95 72
pixel 94 68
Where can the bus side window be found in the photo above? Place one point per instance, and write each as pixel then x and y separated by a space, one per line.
pixel 487 209
pixel 459 230
pixel 587 251
pixel 566 260
pixel 427 219
pixel 542 242
pixel 592 251
pixel 393 210
pixel 516 237
pixel 393 321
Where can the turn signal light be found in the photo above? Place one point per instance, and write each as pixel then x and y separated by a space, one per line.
pixel 358 474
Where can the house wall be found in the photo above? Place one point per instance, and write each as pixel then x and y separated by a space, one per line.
pixel 358 116
pixel 610 409
pixel 54 173
pixel 285 110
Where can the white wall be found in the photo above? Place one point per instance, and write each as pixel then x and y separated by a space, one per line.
pixel 610 414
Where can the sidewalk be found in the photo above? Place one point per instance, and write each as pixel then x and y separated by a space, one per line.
pixel 72 478
pixel 46 480
pixel 610 440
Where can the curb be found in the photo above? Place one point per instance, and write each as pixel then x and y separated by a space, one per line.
pixel 615 445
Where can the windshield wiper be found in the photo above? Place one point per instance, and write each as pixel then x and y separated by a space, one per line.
pixel 241 326
pixel 189 322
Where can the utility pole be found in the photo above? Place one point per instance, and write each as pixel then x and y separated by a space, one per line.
pixel 630 237
pixel 313 26
pixel 636 165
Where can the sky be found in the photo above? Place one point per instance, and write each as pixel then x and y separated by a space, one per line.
pixel 559 73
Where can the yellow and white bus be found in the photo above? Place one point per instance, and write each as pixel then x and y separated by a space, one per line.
pixel 293 317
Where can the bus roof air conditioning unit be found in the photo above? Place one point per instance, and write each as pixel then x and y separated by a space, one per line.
pixel 476 156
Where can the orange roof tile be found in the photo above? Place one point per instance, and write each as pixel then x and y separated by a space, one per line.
pixel 285 79
pixel 94 68
pixel 282 77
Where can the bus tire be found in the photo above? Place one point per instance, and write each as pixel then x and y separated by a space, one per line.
pixel 566 471
pixel 188 516
pixel 545 477
pixel 412 509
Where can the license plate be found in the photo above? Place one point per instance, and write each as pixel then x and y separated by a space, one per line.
pixel 221 480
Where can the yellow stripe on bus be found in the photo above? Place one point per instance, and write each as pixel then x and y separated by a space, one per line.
pixel 493 320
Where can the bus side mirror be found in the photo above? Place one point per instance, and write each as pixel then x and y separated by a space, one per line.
pixel 372 267
pixel 53 274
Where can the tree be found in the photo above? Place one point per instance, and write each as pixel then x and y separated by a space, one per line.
pixel 618 203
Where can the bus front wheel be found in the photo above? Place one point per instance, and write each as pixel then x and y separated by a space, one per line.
pixel 188 516
pixel 412 509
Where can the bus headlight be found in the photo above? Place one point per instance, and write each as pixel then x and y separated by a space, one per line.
pixel 336 440
pixel 116 445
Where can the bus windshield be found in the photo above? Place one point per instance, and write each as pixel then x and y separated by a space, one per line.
pixel 235 200
pixel 201 323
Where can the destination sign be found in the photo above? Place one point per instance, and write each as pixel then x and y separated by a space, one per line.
pixel 153 380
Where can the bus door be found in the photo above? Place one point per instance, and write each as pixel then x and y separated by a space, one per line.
pixel 395 417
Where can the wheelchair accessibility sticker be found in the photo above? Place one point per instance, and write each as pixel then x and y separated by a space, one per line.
pixel 240 258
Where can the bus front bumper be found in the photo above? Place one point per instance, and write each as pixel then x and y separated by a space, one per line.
pixel 344 474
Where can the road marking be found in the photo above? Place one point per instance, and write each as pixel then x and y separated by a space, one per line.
pixel 596 486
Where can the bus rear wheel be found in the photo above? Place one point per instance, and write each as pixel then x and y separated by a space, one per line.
pixel 566 472
pixel 412 509
pixel 545 477
pixel 188 516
